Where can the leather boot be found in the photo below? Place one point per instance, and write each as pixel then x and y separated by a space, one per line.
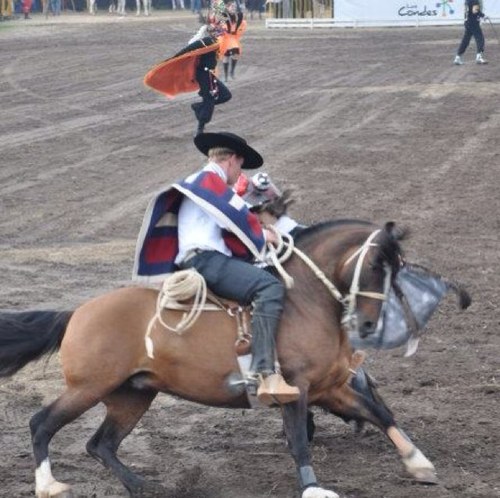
pixel 272 386
pixel 273 390
pixel 199 130
pixel 196 109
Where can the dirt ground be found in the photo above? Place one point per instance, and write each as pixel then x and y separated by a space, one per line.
pixel 372 124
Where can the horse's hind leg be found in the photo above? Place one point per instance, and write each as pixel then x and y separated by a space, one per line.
pixel 361 402
pixel 125 407
pixel 44 424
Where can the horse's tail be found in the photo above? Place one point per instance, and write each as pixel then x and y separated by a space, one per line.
pixel 27 335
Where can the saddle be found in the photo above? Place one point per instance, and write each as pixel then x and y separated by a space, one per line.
pixel 186 290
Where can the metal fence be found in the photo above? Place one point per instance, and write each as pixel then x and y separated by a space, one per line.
pixel 300 9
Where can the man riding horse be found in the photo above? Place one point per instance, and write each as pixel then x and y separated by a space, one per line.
pixel 217 235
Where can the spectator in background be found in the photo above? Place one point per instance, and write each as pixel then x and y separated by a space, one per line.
pixel 26 8
pixel 196 6
pixel 55 5
pixel 256 6
pixel 178 4
pixel 472 25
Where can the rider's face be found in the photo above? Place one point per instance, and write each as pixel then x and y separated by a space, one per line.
pixel 234 170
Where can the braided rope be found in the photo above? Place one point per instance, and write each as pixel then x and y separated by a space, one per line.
pixel 178 286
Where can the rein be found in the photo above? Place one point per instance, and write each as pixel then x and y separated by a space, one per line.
pixel 285 240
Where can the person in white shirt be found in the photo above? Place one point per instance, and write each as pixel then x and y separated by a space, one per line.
pixel 204 247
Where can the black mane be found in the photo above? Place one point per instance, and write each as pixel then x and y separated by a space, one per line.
pixel 318 227
pixel 390 250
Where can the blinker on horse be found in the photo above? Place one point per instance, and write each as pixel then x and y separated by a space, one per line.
pixel 104 358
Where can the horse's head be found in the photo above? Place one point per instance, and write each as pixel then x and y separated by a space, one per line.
pixel 365 274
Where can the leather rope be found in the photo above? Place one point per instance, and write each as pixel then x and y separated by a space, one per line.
pixel 178 286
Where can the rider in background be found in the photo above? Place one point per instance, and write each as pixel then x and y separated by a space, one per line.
pixel 212 90
pixel 473 15
pixel 234 28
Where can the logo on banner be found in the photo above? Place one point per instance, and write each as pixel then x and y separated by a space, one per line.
pixel 414 10
pixel 446 7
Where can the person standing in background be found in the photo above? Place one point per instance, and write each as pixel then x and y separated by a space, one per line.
pixel 473 16
pixel 234 28
pixel 26 7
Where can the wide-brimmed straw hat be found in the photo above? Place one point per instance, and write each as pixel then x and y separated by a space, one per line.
pixel 206 141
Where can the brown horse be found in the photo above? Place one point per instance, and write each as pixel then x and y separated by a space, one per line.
pixel 104 359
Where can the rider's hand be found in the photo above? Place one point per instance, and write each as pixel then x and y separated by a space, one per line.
pixel 270 236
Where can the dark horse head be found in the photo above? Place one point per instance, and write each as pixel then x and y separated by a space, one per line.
pixel 361 260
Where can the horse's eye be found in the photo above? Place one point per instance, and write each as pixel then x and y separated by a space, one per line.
pixel 376 265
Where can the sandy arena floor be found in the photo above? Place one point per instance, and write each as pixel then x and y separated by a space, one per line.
pixel 373 124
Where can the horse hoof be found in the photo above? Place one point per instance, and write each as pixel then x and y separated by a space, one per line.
pixel 425 476
pixel 420 468
pixel 56 490
pixel 315 492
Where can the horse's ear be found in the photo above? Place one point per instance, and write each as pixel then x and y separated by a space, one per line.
pixel 395 232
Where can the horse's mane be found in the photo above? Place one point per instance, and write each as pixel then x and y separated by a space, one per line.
pixel 324 225
pixel 389 249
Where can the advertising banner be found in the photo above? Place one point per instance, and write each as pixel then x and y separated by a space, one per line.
pixel 402 11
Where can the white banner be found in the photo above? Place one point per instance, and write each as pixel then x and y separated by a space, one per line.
pixel 425 11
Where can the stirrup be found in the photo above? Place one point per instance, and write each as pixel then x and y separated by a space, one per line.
pixel 273 390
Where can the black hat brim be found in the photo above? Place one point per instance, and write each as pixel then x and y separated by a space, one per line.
pixel 206 141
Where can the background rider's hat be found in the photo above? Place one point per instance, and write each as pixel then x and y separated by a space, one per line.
pixel 206 141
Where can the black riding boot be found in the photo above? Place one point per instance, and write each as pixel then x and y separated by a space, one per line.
pixel 196 109
pixel 226 69
pixel 233 66
pixel 273 388
pixel 263 344
pixel 200 128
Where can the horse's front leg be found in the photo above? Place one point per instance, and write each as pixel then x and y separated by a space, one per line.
pixel 415 462
pixel 360 401
pixel 295 423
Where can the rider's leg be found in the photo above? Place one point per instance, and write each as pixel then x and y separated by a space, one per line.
pixel 267 293
pixel 225 65
pixel 234 61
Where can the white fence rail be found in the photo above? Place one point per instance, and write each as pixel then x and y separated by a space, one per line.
pixel 310 23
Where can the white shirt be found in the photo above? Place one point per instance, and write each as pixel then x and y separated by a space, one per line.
pixel 196 228
pixel 285 224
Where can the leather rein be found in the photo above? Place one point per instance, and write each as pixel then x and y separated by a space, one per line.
pixel 348 301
